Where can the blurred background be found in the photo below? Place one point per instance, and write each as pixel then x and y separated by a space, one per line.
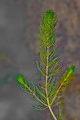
pixel 19 29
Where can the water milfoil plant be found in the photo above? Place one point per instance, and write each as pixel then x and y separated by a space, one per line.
pixel 50 92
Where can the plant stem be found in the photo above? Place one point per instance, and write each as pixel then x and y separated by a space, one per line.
pixel 47 90
pixel 52 113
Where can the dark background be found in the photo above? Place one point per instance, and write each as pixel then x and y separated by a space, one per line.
pixel 19 29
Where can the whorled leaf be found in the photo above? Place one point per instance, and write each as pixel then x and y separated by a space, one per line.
pixel 42 71
pixel 55 71
pixel 39 107
pixel 40 94
pixel 53 62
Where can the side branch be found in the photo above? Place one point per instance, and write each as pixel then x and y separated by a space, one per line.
pixel 34 94
pixel 60 88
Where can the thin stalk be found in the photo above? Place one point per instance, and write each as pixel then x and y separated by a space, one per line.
pixel 47 90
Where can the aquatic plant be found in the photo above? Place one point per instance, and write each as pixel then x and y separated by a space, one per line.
pixel 50 92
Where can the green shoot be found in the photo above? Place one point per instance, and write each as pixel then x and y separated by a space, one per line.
pixel 50 93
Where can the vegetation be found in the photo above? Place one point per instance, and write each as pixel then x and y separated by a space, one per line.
pixel 50 92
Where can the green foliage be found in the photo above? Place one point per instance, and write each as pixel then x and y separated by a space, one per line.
pixel 39 107
pixel 47 35
pixel 24 84
pixel 51 93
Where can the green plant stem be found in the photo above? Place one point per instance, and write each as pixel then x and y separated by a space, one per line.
pixel 52 113
pixel 47 90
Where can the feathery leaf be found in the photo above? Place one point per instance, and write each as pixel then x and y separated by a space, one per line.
pixel 41 70
pixel 39 107
pixel 53 62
